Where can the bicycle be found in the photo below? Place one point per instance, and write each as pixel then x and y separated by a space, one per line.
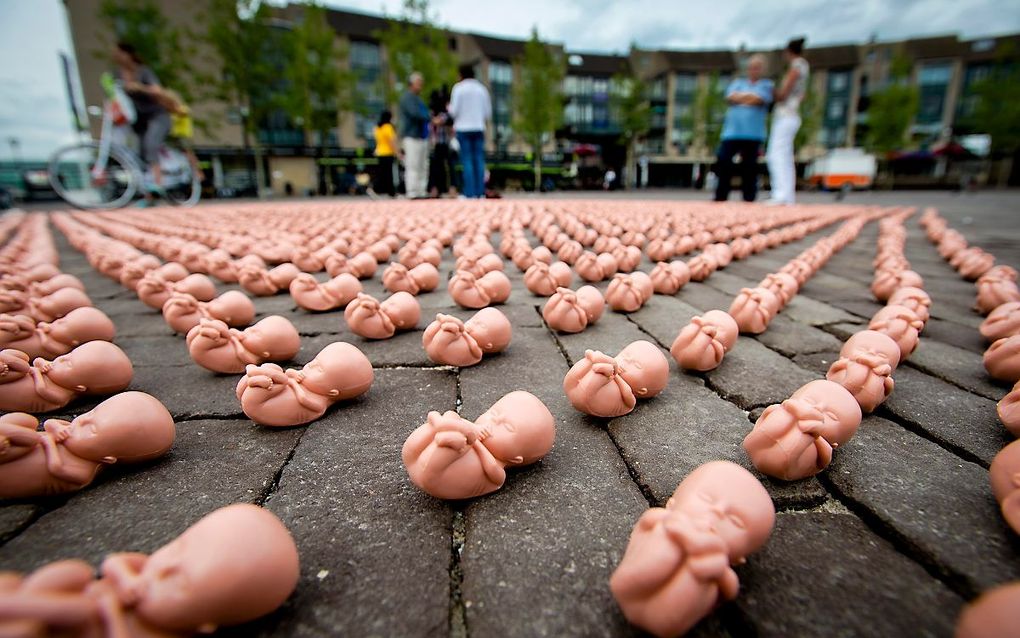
pixel 107 174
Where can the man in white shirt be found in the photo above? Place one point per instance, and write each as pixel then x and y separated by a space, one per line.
pixel 471 108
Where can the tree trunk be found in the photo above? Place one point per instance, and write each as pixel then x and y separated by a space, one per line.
pixel 538 167
pixel 629 173
pixel 260 173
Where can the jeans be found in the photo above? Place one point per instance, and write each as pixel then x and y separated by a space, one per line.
pixel 748 150
pixel 416 166
pixel 472 158
pixel 782 172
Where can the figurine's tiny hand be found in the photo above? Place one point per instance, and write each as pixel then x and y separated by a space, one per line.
pixel 5 445
pixel 452 440
pixel 60 432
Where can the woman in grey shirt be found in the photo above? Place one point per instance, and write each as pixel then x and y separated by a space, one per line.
pixel 785 123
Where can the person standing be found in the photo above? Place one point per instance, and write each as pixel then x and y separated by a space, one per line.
pixel 785 123
pixel 440 167
pixel 414 132
pixel 743 130
pixel 471 108
pixel 385 150
pixel 152 121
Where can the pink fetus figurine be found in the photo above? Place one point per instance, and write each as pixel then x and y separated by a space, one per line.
pixel 543 279
pixel 781 284
pixel 309 294
pixel 452 458
pixel 469 291
pixel 570 311
pixel 606 386
pixel 702 343
pixel 1008 409
pixel 627 292
pixel 131 427
pixel 452 342
pixel 422 278
pixel 1005 476
pixel 914 298
pixel 679 561
pixel 96 367
pixel 217 347
pixel 154 290
pixel 368 318
pixel 669 277
pixel 1002 359
pixel 272 396
pixel 1002 322
pixel 232 566
pixel 992 615
pixel 48 308
pixel 865 365
pixel 753 309
pixel 995 288
pixel 44 339
pixel 182 312
pixel 795 439
pixel 900 323
pixel 260 282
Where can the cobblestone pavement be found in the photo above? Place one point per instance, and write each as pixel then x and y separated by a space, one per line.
pixel 891 540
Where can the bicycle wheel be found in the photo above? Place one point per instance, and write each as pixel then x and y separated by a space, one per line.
pixel 78 179
pixel 182 186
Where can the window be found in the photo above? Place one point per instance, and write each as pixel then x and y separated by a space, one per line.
pixel 838 82
pixel 600 87
pixel 686 84
pixel 500 73
pixel 365 55
pixel 836 110
pixel 934 74
pixel 933 80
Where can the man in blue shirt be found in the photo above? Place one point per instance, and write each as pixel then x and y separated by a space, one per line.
pixel 744 130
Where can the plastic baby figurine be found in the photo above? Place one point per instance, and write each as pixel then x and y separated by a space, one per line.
pixel 669 277
pixel 96 367
pixel 782 285
pixel 992 615
pixel 914 298
pixel 452 458
pixel 996 287
pixel 1002 322
pixel 422 278
pixel 543 279
pixel 154 290
pixel 679 561
pixel 264 283
pixel 886 282
pixel 469 291
pixel 44 339
pixel 217 347
pixel 131 427
pixel 368 318
pixel 795 439
pixel 182 312
pixel 452 342
pixel 1002 359
pixel 702 266
pixel 232 566
pixel 1005 476
pixel 627 292
pixel 1008 409
pixel 702 343
pixel 606 386
pixel 272 396
pixel 753 309
pixel 309 294
pixel 48 308
pixel 865 365
pixel 900 323
pixel 569 311
pixel 592 267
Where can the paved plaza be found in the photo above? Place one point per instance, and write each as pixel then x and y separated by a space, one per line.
pixel 891 540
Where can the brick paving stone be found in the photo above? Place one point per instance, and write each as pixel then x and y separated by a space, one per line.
pixel 212 464
pixel 752 375
pixel 815 313
pixel 664 318
pixel 704 297
pixel 162 350
pixel 954 334
pixel 965 422
pixel 826 574
pixel 670 435
pixel 402 349
pixel 958 366
pixel 539 552
pixel 817 362
pixel 14 517
pixel 922 492
pixel 375 550
pixel 789 337
pixel 613 332
pixel 190 392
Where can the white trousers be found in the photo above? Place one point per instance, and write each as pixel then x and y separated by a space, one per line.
pixel 416 166
pixel 779 156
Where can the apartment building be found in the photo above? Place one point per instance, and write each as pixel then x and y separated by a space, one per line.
pixel 843 77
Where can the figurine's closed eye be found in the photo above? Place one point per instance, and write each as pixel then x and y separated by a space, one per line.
pixel 705 496
pixel 736 521
pixel 830 415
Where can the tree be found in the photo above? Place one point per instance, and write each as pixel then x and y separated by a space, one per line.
pixel 709 109
pixel 413 42
pixel 538 100
pixel 165 48
pixel 634 113
pixel 317 90
pixel 239 32
pixel 892 109
pixel 997 108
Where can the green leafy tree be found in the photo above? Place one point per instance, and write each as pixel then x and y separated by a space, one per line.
pixel 634 113
pixel 413 42
pixel 892 109
pixel 709 109
pixel 538 98
pixel 997 108
pixel 239 32
pixel 318 90
pixel 165 48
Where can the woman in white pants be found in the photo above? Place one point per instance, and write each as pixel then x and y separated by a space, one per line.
pixel 785 123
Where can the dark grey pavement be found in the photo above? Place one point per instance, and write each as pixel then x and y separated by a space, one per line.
pixel 891 540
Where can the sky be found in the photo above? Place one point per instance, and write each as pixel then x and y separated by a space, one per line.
pixel 33 101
